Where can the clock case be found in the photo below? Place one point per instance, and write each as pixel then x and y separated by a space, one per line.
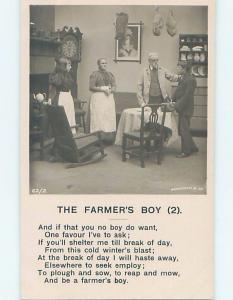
pixel 74 35
pixel 70 34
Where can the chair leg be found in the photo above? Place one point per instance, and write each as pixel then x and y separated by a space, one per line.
pixel 124 141
pixel 100 144
pixel 41 147
pixel 159 156
pixel 142 156
pixel 101 148
pixel 84 123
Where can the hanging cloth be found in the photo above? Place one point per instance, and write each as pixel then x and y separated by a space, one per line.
pixel 121 25
pixel 158 23
pixel 171 23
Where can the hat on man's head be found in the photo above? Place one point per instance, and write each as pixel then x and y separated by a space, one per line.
pixel 185 64
pixel 153 55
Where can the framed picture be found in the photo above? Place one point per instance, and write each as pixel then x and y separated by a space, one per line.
pixel 129 48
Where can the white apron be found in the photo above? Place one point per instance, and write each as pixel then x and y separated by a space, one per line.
pixel 66 100
pixel 102 112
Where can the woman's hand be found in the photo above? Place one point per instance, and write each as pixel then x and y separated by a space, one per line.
pixel 68 67
pixel 106 90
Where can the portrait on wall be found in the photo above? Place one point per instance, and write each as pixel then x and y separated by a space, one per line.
pixel 129 47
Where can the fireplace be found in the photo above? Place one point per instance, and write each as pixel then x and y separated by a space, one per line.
pixel 39 83
pixel 43 50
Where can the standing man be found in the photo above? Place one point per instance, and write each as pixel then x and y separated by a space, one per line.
pixel 151 84
pixel 184 105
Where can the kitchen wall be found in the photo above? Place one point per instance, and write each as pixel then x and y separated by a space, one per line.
pixel 97 25
pixel 43 16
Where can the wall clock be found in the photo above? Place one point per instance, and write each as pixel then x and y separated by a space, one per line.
pixel 71 43
pixel 71 48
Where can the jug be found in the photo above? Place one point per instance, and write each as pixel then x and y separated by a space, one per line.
pixel 40 97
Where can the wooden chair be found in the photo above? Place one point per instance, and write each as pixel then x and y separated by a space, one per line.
pixel 36 133
pixel 150 137
pixel 80 113
pixel 78 150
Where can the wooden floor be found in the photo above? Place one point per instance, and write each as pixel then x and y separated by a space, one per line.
pixel 112 176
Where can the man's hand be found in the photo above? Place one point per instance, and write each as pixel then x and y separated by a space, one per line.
pixel 171 106
pixel 167 99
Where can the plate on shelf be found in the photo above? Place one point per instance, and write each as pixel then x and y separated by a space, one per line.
pixel 202 57
pixel 183 57
pixel 195 71
pixel 185 48
pixel 196 57
pixel 190 56
pixel 197 48
pixel 202 70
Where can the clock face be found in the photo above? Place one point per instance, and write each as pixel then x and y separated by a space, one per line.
pixel 69 48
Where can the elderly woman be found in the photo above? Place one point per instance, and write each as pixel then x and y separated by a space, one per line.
pixel 102 104
pixel 62 89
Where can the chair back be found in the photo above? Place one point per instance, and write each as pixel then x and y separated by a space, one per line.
pixel 155 123
pixel 64 140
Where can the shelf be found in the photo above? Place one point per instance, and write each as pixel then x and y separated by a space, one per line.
pixel 205 63
pixel 190 41
pixel 196 62
pixel 44 46
pixel 44 40
pixel 194 51
pixel 200 35
pixel 193 43
pixel 191 37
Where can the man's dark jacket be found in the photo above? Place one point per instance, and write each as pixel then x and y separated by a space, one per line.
pixel 184 95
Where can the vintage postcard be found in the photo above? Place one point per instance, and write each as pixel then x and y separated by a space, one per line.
pixel 117 149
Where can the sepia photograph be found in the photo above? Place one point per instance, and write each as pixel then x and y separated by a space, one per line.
pixel 118 99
